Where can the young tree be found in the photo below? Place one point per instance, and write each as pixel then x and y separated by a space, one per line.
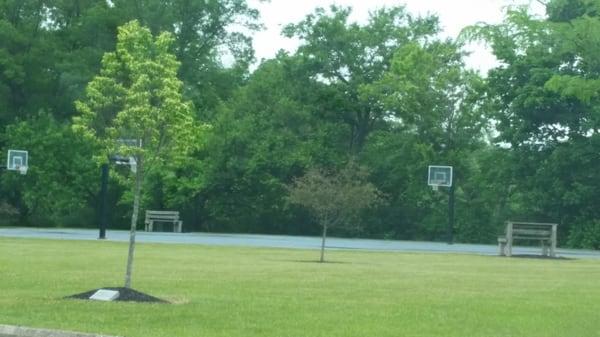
pixel 137 96
pixel 335 200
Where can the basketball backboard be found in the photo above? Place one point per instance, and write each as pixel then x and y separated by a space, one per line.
pixel 130 161
pixel 17 160
pixel 127 159
pixel 439 176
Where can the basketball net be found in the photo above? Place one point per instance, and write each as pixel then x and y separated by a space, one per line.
pixel 21 169
pixel 435 187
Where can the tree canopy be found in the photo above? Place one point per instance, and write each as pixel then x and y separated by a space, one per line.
pixel 335 199
pixel 222 141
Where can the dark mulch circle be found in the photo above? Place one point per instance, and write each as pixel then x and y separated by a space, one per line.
pixel 317 261
pixel 125 295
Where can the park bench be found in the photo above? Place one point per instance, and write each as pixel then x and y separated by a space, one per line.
pixel 163 216
pixel 545 233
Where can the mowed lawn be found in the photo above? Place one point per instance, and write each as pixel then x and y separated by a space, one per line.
pixel 223 291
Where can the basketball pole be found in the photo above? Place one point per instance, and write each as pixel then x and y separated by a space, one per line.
pixel 451 213
pixel 103 211
pixel 103 202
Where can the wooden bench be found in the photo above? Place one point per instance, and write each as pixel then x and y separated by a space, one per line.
pixel 545 233
pixel 163 216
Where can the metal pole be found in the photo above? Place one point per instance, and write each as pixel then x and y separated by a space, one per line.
pixel 451 214
pixel 103 202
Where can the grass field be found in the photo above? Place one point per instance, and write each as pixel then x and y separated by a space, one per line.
pixel 247 292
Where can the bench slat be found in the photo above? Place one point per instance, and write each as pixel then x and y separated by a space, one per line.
pixel 162 216
pixel 162 213
pixel 533 238
pixel 532 232
pixel 537 224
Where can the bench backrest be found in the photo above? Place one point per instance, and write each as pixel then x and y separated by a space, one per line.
pixel 530 230
pixel 162 215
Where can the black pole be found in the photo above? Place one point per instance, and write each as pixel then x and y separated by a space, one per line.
pixel 451 214
pixel 103 202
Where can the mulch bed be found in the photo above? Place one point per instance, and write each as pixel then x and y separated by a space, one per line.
pixel 125 295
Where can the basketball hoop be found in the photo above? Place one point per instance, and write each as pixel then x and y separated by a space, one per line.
pixel 435 187
pixel 21 169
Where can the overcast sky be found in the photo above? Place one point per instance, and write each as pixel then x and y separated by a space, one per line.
pixel 453 14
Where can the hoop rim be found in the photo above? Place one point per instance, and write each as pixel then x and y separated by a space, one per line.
pixel 22 169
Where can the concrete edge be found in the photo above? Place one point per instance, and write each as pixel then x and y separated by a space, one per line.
pixel 19 331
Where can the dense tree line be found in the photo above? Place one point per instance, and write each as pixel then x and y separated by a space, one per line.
pixel 389 94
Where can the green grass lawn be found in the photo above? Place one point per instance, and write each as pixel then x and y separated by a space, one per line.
pixel 220 291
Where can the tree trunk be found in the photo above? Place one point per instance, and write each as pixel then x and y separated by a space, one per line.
pixel 323 244
pixel 134 218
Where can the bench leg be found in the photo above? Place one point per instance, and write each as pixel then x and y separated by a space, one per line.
pixel 179 223
pixel 544 248
pixel 502 247
pixel 509 239
pixel 553 242
pixel 150 229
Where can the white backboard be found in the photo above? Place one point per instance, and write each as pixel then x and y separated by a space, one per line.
pixel 439 175
pixel 127 159
pixel 16 160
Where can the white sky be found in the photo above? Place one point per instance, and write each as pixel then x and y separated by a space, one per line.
pixel 454 15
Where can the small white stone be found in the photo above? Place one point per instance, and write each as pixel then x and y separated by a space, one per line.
pixel 105 295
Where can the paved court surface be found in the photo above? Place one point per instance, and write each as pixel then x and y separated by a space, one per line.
pixel 279 241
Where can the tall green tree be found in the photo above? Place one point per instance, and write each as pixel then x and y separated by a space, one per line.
pixel 48 51
pixel 545 102
pixel 205 33
pixel 268 133
pixel 138 96
pixel 576 27
pixel 346 56
pixel 434 117
pixel 60 184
